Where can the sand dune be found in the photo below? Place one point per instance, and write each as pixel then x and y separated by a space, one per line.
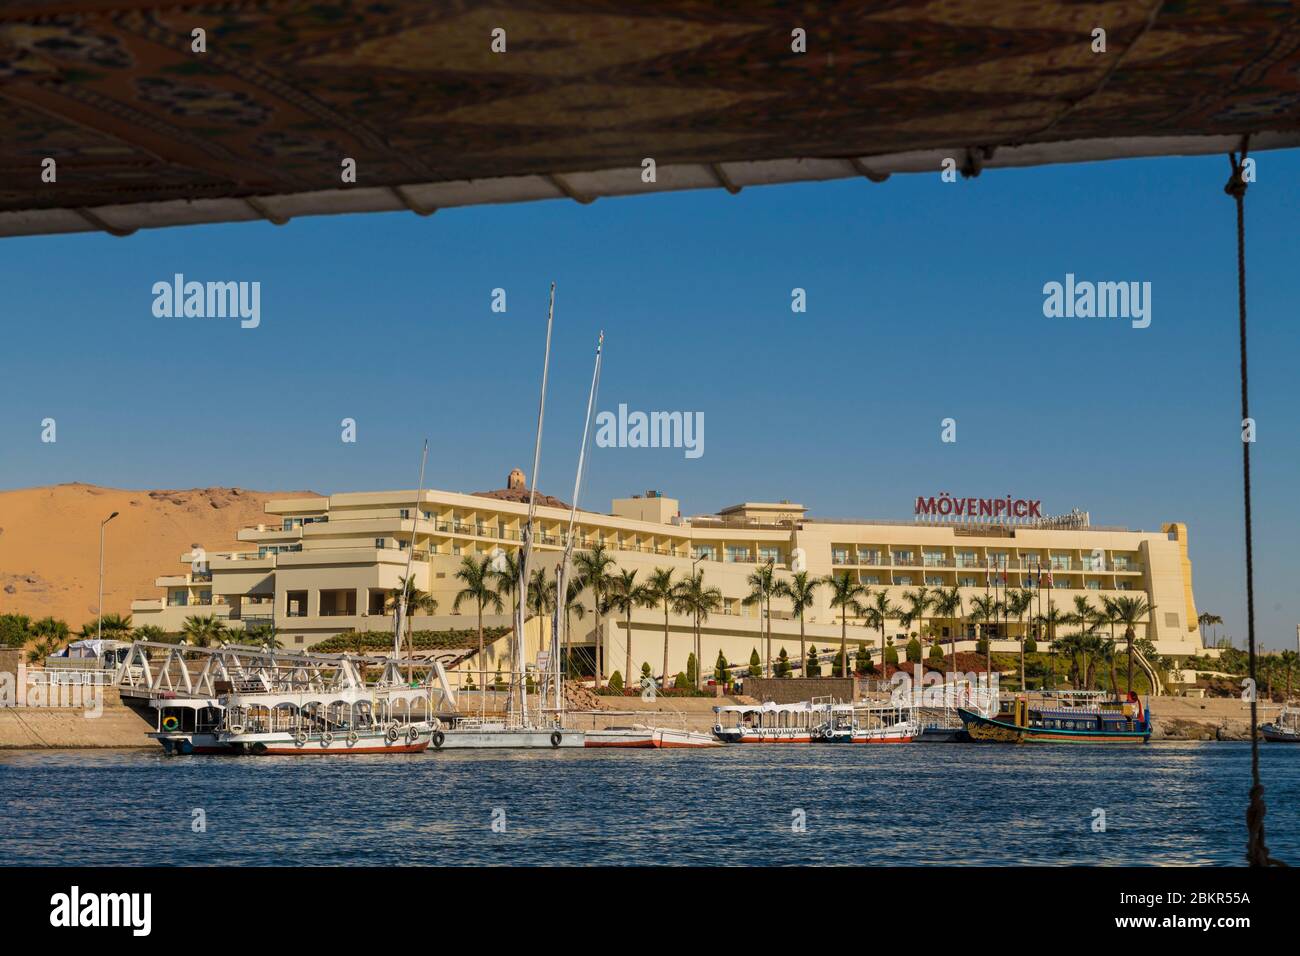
pixel 49 542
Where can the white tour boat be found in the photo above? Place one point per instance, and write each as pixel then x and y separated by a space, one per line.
pixel 820 720
pixel 640 737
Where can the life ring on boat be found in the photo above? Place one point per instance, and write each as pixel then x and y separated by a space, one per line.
pixel 259 748
pixel 556 737
pixel 438 738
pixel 392 734
pixel 352 737
pixel 300 738
pixel 412 733
pixel 170 723
pixel 236 728
pixel 326 739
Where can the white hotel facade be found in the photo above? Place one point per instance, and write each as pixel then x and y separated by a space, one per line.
pixel 325 565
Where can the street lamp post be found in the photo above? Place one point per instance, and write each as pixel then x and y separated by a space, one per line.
pixel 99 608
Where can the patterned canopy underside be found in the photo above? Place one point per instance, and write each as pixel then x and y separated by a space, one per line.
pixel 146 132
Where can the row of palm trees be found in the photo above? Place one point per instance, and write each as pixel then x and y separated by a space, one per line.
pixel 854 599
pixel 491 584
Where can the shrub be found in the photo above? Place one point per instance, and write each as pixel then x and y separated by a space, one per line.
pixel 14 630
pixel 783 664
pixel 349 642
pixel 692 669
pixel 914 651
pixel 862 661
pixel 1031 646
pixel 813 669
pixel 615 682
pixel 681 681
pixel 982 646
pixel 936 654
pixel 720 673
pixel 755 665
pixel 837 668
pixel 891 654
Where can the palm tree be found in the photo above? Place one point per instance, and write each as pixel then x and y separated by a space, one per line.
pixel 477 576
pixel 878 612
pixel 263 634
pixel 762 586
pixel 660 590
pixel 110 625
pixel 595 567
pixel 1050 620
pixel 625 597
pixel 52 631
pixel 1206 619
pixel 801 590
pixel 149 632
pixel 693 598
pixel 947 605
pixel 847 595
pixel 1018 603
pixel 985 608
pixel 1129 611
pixel 919 601
pixel 203 630
pixel 1289 659
pixel 1109 652
pixel 411 600
pixel 507 585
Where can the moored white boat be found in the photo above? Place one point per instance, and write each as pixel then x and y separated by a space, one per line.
pixel 640 737
pixel 471 734
pixel 820 720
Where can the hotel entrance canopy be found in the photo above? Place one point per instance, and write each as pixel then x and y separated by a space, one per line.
pixel 145 132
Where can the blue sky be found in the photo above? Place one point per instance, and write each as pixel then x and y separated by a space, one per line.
pixel 924 302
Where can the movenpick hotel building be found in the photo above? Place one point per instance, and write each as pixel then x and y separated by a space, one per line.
pixel 328 564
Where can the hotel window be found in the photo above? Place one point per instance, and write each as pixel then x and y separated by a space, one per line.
pixel 1120 563
pixel 933 559
pixel 769 554
pixel 381 542
pixel 737 554
pixel 902 557
pixel 839 556
pixel 966 559
pixel 903 579
pixel 1093 585
pixel 868 557
pixel 706 552
pixel 966 582
pixel 934 581
pixel 871 579
pixel 404 514
pixel 1060 562
pixel 1122 586
pixel 426 515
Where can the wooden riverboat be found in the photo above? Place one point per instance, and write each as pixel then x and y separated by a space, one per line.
pixel 1106 722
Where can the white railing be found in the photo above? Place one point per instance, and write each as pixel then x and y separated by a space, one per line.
pixel 97 677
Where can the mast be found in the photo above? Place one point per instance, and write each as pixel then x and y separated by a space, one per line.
pixel 525 547
pixel 410 556
pixel 562 571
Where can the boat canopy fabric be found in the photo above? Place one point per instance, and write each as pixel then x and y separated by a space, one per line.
pixel 144 131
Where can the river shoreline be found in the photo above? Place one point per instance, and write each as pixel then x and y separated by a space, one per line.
pixel 122 727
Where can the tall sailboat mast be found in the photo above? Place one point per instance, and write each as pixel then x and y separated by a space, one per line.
pixel 561 626
pixel 525 548
pixel 410 556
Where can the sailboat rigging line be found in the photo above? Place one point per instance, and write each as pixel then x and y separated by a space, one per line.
pixel 1256 849
pixel 562 571
pixel 406 588
pixel 526 539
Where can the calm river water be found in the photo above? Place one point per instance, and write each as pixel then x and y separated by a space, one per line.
pixel 1165 803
